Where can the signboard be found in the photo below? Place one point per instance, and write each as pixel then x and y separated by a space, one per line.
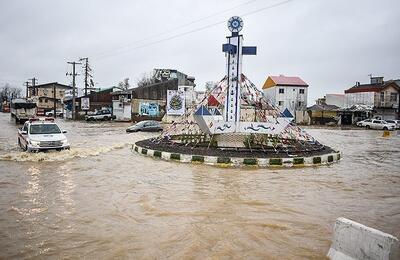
pixel 175 102
pixel 85 103
pixel 149 109
pixel 164 74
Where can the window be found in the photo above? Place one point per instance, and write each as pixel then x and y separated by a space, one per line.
pixel 45 101
pixel 281 91
pixel 301 91
pixel 280 103
pixel 45 129
pixel 300 103
pixel 393 97
pixel 382 96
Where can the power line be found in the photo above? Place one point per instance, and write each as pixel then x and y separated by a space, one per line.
pixel 195 30
pixel 175 28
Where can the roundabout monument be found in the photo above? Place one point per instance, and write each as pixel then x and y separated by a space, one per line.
pixel 236 125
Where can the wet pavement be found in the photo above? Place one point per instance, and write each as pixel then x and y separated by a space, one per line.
pixel 100 200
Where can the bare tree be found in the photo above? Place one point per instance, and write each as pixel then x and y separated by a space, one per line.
pixel 8 92
pixel 124 85
pixel 210 85
pixel 145 79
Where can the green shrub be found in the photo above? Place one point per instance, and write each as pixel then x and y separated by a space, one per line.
pixel 330 158
pixel 136 148
pixel 157 154
pixel 144 151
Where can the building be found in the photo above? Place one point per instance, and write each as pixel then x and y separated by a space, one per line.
pixel 286 93
pixel 321 114
pixel 149 101
pixel 47 96
pixel 153 96
pixel 382 96
pixel 121 104
pixel 335 99
pixel 97 100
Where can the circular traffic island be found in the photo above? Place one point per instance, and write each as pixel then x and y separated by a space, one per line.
pixel 246 151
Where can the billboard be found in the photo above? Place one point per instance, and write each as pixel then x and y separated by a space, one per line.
pixel 175 102
pixel 149 109
pixel 85 103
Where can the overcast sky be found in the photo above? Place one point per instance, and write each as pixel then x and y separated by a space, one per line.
pixel 330 44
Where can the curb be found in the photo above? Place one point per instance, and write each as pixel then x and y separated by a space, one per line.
pixel 324 159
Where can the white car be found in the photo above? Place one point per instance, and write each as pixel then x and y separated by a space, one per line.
pixel 395 122
pixel 380 125
pixel 42 134
pixel 103 114
pixel 364 123
pixel 59 113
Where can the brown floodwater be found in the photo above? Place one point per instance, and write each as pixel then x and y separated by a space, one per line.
pixel 101 201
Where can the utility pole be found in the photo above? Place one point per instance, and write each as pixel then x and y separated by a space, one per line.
pixel 27 88
pixel 86 66
pixel 34 81
pixel 86 75
pixel 55 101
pixel 73 74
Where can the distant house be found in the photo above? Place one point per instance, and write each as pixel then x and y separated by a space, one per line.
pixel 321 114
pixel 286 93
pixel 381 96
pixel 47 96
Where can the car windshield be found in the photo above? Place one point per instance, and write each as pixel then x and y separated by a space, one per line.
pixel 44 129
pixel 141 123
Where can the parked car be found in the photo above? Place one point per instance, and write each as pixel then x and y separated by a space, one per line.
pixel 380 125
pixel 145 126
pixel 42 134
pixel 59 113
pixel 103 114
pixel 364 123
pixel 395 122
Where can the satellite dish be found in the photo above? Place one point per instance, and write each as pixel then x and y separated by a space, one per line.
pixel 235 24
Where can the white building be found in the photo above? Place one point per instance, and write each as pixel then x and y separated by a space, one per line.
pixel 286 93
pixel 121 103
pixel 335 99
pixel 382 96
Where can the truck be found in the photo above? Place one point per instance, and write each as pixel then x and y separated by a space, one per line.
pixel 22 109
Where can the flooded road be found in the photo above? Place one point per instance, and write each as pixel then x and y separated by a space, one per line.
pixel 100 201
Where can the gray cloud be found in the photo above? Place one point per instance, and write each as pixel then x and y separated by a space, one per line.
pixel 330 44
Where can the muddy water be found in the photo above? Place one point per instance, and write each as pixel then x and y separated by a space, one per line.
pixel 101 201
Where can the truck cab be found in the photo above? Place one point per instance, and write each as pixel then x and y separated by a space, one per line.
pixel 42 134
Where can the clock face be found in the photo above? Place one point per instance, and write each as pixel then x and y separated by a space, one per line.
pixel 235 24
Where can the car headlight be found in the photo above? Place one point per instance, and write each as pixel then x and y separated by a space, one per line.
pixel 34 143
